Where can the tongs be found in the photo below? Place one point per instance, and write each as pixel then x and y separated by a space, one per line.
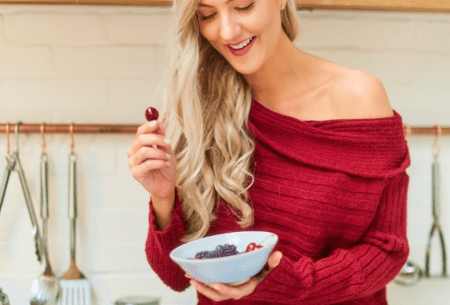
pixel 436 226
pixel 13 163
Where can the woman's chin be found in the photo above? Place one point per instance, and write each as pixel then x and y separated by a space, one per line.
pixel 246 69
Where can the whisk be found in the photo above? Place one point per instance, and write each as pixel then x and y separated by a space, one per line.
pixel 436 226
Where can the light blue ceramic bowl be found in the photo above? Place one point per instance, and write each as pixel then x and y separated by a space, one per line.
pixel 232 270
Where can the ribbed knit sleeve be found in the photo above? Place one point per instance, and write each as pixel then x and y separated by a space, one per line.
pixel 347 274
pixel 160 243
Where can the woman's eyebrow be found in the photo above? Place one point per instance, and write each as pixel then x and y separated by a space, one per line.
pixel 206 5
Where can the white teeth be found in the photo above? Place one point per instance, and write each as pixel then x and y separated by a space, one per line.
pixel 242 44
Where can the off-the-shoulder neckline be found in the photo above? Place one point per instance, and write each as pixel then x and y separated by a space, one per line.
pixel 260 106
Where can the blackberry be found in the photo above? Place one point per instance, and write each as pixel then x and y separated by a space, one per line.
pixel 220 251
pixel 201 255
pixel 227 250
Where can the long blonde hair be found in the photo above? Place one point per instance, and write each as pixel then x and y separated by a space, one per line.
pixel 206 115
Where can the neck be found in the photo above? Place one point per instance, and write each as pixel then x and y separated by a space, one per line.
pixel 283 68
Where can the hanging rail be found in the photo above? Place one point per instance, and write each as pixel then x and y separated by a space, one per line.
pixel 77 128
pixel 117 128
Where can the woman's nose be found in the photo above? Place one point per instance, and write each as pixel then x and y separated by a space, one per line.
pixel 229 28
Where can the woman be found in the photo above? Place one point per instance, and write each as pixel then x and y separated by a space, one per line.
pixel 266 137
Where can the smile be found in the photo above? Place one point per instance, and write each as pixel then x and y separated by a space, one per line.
pixel 242 44
pixel 243 47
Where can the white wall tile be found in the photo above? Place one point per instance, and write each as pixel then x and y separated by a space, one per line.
pixel 138 29
pixel 433 36
pixel 19 61
pixel 47 28
pixel 58 95
pixel 357 33
pixel 432 69
pixel 110 61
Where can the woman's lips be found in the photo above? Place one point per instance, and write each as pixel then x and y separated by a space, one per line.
pixel 242 51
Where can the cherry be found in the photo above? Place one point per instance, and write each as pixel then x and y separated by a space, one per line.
pixel 151 114
pixel 252 247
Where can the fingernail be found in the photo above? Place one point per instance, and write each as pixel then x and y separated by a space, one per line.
pixel 167 141
pixel 168 163
pixel 167 156
pixel 216 287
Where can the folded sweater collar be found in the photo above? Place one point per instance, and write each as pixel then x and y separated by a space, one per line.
pixel 373 148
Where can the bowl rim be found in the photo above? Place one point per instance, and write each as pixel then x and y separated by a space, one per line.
pixel 272 243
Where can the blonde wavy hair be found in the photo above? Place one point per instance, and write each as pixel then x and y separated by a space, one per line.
pixel 206 114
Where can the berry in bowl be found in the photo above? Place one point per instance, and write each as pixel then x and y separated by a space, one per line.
pixel 231 258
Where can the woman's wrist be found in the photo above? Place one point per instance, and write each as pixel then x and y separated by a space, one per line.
pixel 163 207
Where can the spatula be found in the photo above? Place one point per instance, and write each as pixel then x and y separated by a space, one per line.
pixel 75 288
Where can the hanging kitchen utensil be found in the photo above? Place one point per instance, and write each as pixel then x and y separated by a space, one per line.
pixel 409 275
pixel 436 226
pixel 10 163
pixel 45 289
pixel 13 163
pixel 3 298
pixel 75 288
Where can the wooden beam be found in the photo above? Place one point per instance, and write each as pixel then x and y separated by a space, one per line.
pixel 377 5
pixel 92 2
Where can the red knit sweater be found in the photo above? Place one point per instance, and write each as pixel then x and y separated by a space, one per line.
pixel 335 193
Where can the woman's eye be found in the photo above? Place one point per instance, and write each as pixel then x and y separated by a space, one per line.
pixel 245 8
pixel 203 18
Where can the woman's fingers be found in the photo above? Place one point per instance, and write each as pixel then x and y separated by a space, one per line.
pixel 220 292
pixel 274 259
pixel 146 153
pixel 149 140
pixel 208 291
pixel 149 127
pixel 142 170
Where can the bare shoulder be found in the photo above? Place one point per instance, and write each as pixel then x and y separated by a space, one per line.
pixel 358 95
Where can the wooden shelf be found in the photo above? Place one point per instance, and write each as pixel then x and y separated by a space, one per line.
pixel 371 5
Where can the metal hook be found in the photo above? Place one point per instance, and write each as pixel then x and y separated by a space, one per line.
pixel 44 144
pixel 8 143
pixel 436 145
pixel 16 132
pixel 72 145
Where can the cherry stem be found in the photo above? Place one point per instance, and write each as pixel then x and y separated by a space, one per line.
pixel 266 239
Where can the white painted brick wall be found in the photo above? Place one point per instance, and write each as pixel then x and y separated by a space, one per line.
pixel 56 29
pixel 104 64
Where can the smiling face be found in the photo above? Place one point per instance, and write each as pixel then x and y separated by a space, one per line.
pixel 245 32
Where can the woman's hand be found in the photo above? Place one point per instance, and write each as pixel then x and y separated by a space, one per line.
pixel 221 292
pixel 152 161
